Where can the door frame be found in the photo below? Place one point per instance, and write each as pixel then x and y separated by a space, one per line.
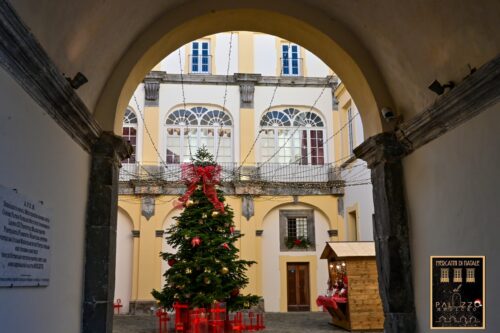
pixel 312 260
pixel 308 287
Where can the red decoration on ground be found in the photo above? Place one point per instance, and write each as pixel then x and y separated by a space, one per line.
pixel 171 262
pixel 163 320
pixel 208 176
pixel 195 241
pixel 117 305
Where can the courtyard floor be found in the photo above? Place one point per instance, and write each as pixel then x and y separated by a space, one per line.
pixel 294 322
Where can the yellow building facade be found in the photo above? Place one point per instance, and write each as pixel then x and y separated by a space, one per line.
pixel 232 92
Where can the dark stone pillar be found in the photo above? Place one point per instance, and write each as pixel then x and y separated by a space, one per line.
pixel 100 233
pixel 383 154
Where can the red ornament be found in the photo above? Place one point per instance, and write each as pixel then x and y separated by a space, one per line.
pixel 171 262
pixel 235 292
pixel 231 229
pixel 225 246
pixel 195 241
pixel 208 176
pixel 297 242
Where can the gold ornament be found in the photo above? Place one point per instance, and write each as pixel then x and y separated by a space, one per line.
pixel 204 215
pixel 200 221
pixel 224 270
pixel 215 213
pixel 188 271
pixel 189 203
pixel 199 187
pixel 207 280
pixel 208 270
pixel 246 304
pixel 186 237
pixel 181 286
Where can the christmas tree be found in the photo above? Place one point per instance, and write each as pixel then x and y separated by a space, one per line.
pixel 206 267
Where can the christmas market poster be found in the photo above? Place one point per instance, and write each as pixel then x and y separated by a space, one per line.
pixel 457 292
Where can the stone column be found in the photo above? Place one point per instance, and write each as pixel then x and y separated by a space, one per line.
pixel 100 233
pixel 383 153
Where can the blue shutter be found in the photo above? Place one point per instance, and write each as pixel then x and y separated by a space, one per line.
pixel 194 58
pixel 284 60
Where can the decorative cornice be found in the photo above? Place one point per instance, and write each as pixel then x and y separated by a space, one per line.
pixel 383 147
pixel 476 93
pixel 25 59
pixel 114 146
pixel 239 78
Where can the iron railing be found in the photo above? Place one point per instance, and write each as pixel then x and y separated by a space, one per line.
pixel 294 173
pixel 231 172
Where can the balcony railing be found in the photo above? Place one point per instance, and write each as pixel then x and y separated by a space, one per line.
pixel 200 64
pixel 231 172
pixel 294 173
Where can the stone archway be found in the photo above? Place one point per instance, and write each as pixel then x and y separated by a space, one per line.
pixel 329 40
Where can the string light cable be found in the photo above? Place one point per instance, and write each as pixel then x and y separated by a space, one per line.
pixel 225 92
pixel 268 109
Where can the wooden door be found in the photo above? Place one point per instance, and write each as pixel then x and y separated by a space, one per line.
pixel 298 294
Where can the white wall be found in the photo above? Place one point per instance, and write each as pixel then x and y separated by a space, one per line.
pixel 171 63
pixel 265 57
pixel 360 196
pixel 221 53
pixel 43 163
pixel 124 259
pixel 271 249
pixel 315 66
pixel 453 195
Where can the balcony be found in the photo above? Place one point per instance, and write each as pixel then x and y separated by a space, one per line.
pixel 231 173
pixel 258 179
pixel 200 64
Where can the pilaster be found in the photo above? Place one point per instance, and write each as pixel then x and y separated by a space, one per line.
pixel 383 154
pixel 100 233
pixel 151 115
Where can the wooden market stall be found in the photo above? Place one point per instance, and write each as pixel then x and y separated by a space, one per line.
pixel 354 299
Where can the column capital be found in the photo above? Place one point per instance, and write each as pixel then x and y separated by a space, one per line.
pixel 383 147
pixel 112 146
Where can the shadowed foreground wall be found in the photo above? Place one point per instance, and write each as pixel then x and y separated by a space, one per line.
pixel 453 191
pixel 43 163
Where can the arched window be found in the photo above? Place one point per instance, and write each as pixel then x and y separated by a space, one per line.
pixel 129 133
pixel 305 147
pixel 198 126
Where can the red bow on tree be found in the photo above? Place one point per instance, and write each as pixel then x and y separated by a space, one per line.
pixel 208 176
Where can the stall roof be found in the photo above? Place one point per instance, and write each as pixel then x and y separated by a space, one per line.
pixel 348 250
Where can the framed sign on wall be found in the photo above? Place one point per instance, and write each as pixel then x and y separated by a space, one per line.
pixel 457 292
pixel 24 241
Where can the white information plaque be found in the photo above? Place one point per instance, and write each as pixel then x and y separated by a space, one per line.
pixel 24 241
